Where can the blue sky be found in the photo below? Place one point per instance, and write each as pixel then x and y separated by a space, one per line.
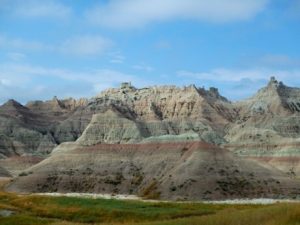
pixel 76 49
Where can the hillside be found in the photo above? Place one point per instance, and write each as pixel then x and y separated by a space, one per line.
pixel 170 143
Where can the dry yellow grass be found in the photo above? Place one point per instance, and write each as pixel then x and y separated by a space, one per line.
pixel 36 210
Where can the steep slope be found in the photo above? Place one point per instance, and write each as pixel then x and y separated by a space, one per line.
pixel 27 132
pixel 268 126
pixel 4 172
pixel 162 111
pixel 56 109
pixel 154 142
pixel 29 129
pixel 185 170
pixel 265 126
pixel 22 131
pixel 157 111
pixel 65 125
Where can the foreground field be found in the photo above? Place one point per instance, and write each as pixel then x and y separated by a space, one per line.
pixel 36 210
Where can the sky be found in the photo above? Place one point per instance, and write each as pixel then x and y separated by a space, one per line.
pixel 68 48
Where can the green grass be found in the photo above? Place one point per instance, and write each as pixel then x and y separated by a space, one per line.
pixel 37 210
pixel 104 210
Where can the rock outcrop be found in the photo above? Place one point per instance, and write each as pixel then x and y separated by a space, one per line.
pixel 20 130
pixel 4 172
pixel 165 142
pixel 268 126
pixel 156 112
pixel 159 112
pixel 31 129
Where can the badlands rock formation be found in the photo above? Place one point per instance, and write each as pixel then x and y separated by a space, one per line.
pixel 29 133
pixel 4 172
pixel 165 142
pixel 157 111
pixel 177 171
pixel 130 115
pixel 268 127
pixel 33 129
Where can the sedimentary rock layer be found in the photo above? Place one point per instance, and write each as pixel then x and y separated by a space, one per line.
pixel 178 171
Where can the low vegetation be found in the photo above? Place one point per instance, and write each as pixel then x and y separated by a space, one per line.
pixel 36 210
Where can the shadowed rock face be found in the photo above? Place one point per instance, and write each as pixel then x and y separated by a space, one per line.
pixel 30 129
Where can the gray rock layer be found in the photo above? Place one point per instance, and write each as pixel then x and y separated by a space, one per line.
pixel 177 171
pixel 153 142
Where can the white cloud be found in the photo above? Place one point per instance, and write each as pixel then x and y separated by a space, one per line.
pixel 137 13
pixel 36 9
pixel 5 82
pixel 86 45
pixel 21 44
pixel 37 82
pixel 238 84
pixel 34 82
pixel 143 67
pixel 237 75
pixel 83 45
pixel 117 57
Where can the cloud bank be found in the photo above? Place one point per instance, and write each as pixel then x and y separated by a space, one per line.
pixel 79 45
pixel 37 82
pixel 137 13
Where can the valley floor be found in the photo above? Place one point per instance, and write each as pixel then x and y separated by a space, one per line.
pixel 255 201
pixel 62 210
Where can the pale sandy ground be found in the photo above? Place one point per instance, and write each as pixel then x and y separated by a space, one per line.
pixel 258 201
pixel 93 196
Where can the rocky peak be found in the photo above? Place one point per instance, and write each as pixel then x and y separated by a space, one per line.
pixel 13 103
pixel 275 98
pixel 72 103
pixel 16 110
pixel 127 86
pixel 269 91
pixel 214 93
pixel 284 92
pixel 57 105
pixel 273 82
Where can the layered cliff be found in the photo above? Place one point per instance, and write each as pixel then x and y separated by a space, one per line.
pixel 268 126
pixel 31 129
pixel 155 112
pixel 158 112
pixel 162 142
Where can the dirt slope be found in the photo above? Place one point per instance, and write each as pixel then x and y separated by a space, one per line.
pixel 186 171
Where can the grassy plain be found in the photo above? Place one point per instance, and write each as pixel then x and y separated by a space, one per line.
pixel 44 210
